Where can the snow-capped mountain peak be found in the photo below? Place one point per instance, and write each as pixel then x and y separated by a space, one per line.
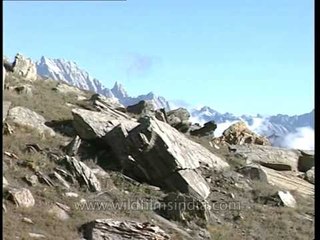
pixel 67 71
pixel 151 95
pixel 208 110
pixel 279 125
pixel 206 114
pixel 71 73
pixel 119 91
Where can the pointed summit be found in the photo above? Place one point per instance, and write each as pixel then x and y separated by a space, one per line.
pixel 45 62
pixel 68 71
pixel 207 111
pixel 119 91
pixel 151 95
pixel 42 59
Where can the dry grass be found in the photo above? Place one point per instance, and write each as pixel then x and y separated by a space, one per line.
pixel 221 232
pixel 259 221
pixel 17 141
pixel 44 223
pixel 45 101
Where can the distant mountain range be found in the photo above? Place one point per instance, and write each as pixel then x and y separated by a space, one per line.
pixel 69 72
pixel 277 128
pixel 272 125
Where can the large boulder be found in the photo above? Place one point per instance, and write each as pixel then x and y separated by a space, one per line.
pixel 179 119
pixel 27 118
pixel 101 229
pixel 290 181
pixel 142 108
pixel 161 115
pixel 25 67
pixel 280 159
pixel 310 175
pixel 187 181
pixel 157 153
pixel 101 102
pixel 181 113
pixel 238 133
pixel 206 130
pixel 306 161
pixel 92 125
pixel 150 150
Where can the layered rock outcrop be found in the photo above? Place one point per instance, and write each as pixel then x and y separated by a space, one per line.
pixel 150 150
pixel 120 230
pixel 239 134
pixel 24 67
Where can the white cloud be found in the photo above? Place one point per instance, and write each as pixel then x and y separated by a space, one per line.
pixel 257 124
pixel 303 139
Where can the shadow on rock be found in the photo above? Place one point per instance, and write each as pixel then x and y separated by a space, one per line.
pixel 63 127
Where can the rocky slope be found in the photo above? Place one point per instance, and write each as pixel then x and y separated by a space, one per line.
pixel 87 168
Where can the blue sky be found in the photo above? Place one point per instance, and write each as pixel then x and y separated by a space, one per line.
pixel 244 57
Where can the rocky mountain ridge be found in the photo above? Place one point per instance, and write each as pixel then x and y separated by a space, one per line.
pixel 70 72
pixel 282 123
pixel 275 127
pixel 76 165
pixel 278 128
